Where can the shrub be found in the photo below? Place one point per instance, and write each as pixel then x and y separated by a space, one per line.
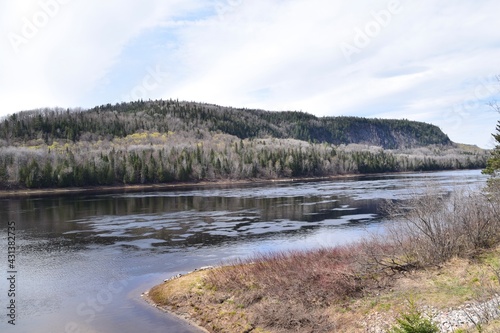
pixel 414 321
pixel 433 227
pixel 292 291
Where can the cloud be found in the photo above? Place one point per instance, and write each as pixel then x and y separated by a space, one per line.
pixel 56 60
pixel 416 65
pixel 416 60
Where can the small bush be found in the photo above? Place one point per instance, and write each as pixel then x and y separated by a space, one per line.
pixel 414 321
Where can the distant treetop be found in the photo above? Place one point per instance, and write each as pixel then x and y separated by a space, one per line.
pixel 120 120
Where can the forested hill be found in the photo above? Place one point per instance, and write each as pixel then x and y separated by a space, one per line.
pixel 164 116
pixel 169 141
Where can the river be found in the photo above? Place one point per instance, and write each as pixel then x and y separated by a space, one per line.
pixel 82 262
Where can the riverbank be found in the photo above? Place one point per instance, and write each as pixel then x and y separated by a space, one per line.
pixel 438 261
pixel 181 316
pixel 456 296
pixel 47 192
pixel 44 192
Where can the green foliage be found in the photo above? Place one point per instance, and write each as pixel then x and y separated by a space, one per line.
pixel 167 141
pixel 413 321
pixel 493 164
pixel 115 162
pixel 124 119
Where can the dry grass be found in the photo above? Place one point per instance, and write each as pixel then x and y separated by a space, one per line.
pixel 349 288
pixel 244 303
pixel 330 274
pixel 292 291
pixel 190 298
pixel 284 292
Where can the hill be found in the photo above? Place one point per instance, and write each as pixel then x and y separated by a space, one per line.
pixel 170 141
pixel 120 120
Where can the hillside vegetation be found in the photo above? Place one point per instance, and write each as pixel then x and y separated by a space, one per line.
pixel 120 120
pixel 167 141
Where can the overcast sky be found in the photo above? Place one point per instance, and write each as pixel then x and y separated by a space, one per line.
pixel 432 61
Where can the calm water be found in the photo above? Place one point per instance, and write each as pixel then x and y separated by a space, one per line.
pixel 83 261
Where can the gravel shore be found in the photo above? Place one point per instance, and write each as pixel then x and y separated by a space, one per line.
pixel 465 316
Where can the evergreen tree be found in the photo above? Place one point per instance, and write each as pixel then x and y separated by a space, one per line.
pixel 493 164
pixel 166 141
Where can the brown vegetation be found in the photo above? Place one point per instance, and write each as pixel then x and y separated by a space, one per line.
pixel 434 251
pixel 436 226
pixel 290 291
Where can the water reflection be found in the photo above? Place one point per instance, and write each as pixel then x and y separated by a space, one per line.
pixel 69 248
pixel 155 221
pixel 208 217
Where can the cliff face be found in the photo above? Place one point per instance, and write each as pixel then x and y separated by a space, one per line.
pixel 387 133
pixel 120 120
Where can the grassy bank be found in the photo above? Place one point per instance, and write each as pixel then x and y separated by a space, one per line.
pixel 296 307
pixel 440 254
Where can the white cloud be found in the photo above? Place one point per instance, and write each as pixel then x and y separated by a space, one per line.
pixel 55 62
pixel 421 59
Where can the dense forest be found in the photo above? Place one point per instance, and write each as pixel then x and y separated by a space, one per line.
pixel 120 120
pixel 162 141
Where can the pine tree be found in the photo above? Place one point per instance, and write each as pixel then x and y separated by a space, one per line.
pixel 493 164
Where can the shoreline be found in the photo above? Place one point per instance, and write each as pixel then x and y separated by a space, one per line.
pixel 181 316
pixel 109 189
pixel 184 318
pixel 462 316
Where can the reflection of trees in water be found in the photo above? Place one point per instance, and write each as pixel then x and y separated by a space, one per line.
pixel 181 220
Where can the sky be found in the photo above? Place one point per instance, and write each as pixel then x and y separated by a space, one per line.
pixel 431 61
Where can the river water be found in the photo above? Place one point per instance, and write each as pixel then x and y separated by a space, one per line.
pixel 82 262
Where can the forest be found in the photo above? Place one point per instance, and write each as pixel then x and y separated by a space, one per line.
pixel 149 142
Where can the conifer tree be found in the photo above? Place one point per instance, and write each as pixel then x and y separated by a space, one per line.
pixel 493 164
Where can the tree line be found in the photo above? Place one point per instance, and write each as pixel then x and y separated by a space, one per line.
pixel 148 142
pixel 120 120
pixel 154 157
